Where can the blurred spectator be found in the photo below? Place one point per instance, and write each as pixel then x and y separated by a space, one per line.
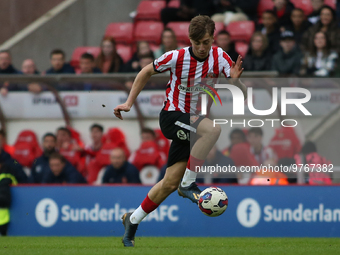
pixel 169 42
pixel 133 65
pixel 148 134
pixel 87 64
pixel 270 29
pixel 60 171
pixel 6 66
pixel 3 145
pixel 259 57
pixel 320 60
pixel 28 67
pixel 187 10
pixel 215 158
pixel 236 136
pixel 327 24
pixel 315 15
pixel 288 60
pixel 310 157
pixel 41 165
pixel 298 24
pixel 67 147
pixel 260 152
pixel 7 178
pixel 59 66
pixel 144 60
pixel 283 10
pixel 92 149
pixel 223 40
pixel 120 170
pixel 109 60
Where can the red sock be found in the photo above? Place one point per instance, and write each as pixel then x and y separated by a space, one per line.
pixel 148 206
pixel 193 162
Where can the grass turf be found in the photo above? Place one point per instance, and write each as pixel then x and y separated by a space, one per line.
pixel 167 245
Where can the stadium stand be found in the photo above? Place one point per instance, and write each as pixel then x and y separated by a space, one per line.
pixel 150 10
pixel 149 31
pixel 122 32
pixel 80 51
pixel 181 30
pixel 124 51
pixel 241 30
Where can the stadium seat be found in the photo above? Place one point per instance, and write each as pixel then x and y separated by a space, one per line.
pixel 305 5
pixel 241 30
pixel 80 51
pixel 263 6
pixel 174 4
pixel 116 136
pixel 149 31
pixel 150 10
pixel 331 3
pixel 26 148
pixel 122 32
pixel 219 27
pixel 242 48
pixel 181 30
pixel 124 51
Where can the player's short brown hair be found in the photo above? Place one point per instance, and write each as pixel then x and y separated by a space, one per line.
pixel 199 26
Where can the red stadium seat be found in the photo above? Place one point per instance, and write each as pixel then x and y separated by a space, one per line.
pixel 305 5
pixel 174 4
pixel 149 31
pixel 26 148
pixel 263 6
pixel 124 51
pixel 116 136
pixel 181 30
pixel 331 3
pixel 219 27
pixel 150 10
pixel 122 32
pixel 241 48
pixel 241 30
pixel 80 51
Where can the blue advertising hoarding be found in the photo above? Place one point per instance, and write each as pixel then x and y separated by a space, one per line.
pixel 253 211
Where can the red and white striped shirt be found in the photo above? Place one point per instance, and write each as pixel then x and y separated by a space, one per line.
pixel 186 73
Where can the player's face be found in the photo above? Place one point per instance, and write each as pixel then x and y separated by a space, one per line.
pixel 202 47
pixel 117 158
pixel 57 61
pixel 297 17
pixel 86 65
pixel 5 60
pixel 96 135
pixel 56 166
pixel 49 144
pixel 254 139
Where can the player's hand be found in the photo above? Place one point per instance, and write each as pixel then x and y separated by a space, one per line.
pixel 123 107
pixel 236 68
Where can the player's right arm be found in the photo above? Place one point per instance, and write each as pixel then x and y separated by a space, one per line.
pixel 139 83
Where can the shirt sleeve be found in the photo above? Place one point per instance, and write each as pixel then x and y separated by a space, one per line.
pixel 226 63
pixel 164 63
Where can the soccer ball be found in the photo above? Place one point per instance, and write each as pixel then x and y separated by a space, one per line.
pixel 213 201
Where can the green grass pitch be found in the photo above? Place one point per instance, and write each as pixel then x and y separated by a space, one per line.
pixel 167 245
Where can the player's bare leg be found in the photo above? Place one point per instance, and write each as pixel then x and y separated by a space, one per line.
pixel 156 195
pixel 208 137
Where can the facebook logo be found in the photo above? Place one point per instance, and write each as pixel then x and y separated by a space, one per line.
pixel 46 212
pixel 248 212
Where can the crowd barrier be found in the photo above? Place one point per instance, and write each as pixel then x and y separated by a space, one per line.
pixel 253 211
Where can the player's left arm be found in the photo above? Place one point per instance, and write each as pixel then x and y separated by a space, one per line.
pixel 236 71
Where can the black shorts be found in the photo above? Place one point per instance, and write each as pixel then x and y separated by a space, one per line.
pixel 181 129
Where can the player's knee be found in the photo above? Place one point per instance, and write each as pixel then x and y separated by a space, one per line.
pixel 169 187
pixel 215 131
